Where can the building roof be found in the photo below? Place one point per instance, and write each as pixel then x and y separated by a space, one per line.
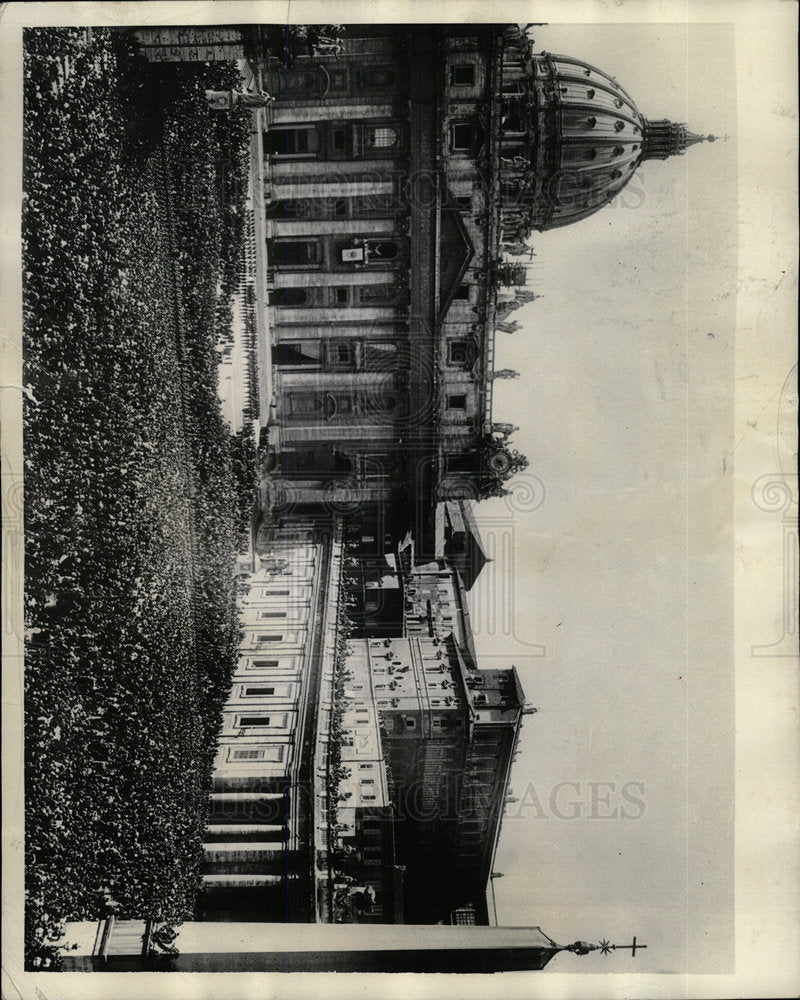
pixel 462 541
pixel 598 137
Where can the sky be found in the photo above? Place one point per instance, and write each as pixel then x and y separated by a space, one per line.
pixel 613 553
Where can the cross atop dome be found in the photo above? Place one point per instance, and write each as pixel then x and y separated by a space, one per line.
pixel 663 138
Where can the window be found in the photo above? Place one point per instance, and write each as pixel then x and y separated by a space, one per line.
pixel 590 93
pixel 338 139
pixel 462 76
pixel 270 753
pixel 365 767
pixel 258 692
pixel 270 638
pixel 591 121
pixel 590 154
pixel 464 202
pixel 459 352
pixel 458 402
pixel 341 354
pixel 411 723
pixel 294 253
pixel 264 664
pixel 246 721
pixel 273 614
pixel 383 138
pixel 462 292
pixel 367 781
pixel 341 295
pixel 461 136
pixel 369 798
pixel 619 126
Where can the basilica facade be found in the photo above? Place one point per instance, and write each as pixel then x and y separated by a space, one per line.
pixel 364 755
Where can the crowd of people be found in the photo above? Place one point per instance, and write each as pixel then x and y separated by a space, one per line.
pixel 130 499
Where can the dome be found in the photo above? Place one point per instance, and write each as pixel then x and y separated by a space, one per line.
pixel 586 137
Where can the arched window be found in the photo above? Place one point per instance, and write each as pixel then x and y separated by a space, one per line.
pixel 383 138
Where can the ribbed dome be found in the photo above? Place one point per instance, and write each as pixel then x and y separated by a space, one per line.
pixel 588 137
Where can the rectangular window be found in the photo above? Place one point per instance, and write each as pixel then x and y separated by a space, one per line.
pixel 342 295
pixel 464 202
pixel 247 721
pixel 273 614
pixel 264 664
pixel 365 767
pixel 258 692
pixel 270 638
pixel 459 353
pixel 369 798
pixel 462 76
pixel 462 292
pixel 457 402
pixel 367 781
pixel 340 208
pixel 461 136
pixel 338 139
pixel 411 723
pixel 274 754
